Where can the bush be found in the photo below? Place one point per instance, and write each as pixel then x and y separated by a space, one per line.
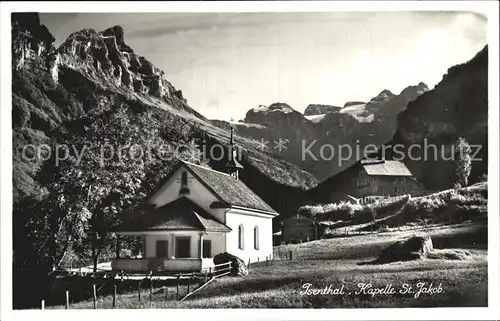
pixel 464 197
pixel 455 205
pixel 483 178
pixel 125 253
pixel 356 213
pixel 343 211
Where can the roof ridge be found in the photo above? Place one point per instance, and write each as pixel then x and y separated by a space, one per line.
pixel 159 213
pixel 178 199
pixel 198 218
pixel 221 186
pixel 197 209
pixel 258 197
pixel 372 161
pixel 203 167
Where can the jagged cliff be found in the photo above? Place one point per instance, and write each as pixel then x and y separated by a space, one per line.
pixel 105 58
pixel 30 39
pixel 101 57
pixel 319 109
pixel 92 73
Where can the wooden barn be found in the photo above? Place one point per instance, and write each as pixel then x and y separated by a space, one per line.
pixel 300 228
pixel 368 180
pixel 383 179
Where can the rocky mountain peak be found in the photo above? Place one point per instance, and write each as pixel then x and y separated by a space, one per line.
pixel 320 109
pixel 105 58
pixel 423 85
pixel 385 94
pixel 353 103
pixel 100 59
pixel 30 39
pixel 118 33
pixel 273 114
pixel 281 107
pixel 274 107
pixel 415 90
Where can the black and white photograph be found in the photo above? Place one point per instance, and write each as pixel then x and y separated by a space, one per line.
pixel 231 156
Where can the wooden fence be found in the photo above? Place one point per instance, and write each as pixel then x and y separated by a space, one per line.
pixel 220 270
pixel 194 281
pixel 283 255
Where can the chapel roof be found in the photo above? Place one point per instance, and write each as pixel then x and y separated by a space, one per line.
pixel 181 214
pixel 226 188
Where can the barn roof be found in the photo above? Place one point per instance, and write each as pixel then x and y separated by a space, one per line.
pixel 385 168
pixel 181 214
pixel 228 189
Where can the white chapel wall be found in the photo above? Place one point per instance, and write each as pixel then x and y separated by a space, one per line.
pixel 169 192
pixel 246 218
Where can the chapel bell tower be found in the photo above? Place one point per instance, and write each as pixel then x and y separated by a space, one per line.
pixel 232 165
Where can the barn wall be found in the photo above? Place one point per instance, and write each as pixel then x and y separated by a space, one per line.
pixel 249 220
pixel 411 187
pixel 298 229
pixel 386 185
pixel 347 184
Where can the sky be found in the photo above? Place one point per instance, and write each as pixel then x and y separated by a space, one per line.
pixel 228 63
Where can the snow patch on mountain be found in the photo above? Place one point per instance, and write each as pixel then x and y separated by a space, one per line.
pixel 276 107
pixel 249 125
pixel 315 118
pixel 359 112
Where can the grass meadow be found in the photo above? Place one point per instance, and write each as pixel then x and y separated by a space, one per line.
pixel 339 263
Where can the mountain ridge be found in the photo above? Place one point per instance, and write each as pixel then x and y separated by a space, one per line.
pixel 94 72
pixel 356 123
pixel 318 109
pixel 456 107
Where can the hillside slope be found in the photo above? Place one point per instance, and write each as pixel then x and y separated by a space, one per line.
pixel 456 107
pixel 96 72
pixel 73 110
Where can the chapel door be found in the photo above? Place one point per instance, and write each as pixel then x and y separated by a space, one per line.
pixel 182 246
pixel 161 248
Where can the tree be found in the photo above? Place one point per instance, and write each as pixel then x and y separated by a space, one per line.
pixel 108 176
pixel 84 189
pixel 463 162
pixel 113 163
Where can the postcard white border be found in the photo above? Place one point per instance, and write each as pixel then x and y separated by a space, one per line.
pixel 487 8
